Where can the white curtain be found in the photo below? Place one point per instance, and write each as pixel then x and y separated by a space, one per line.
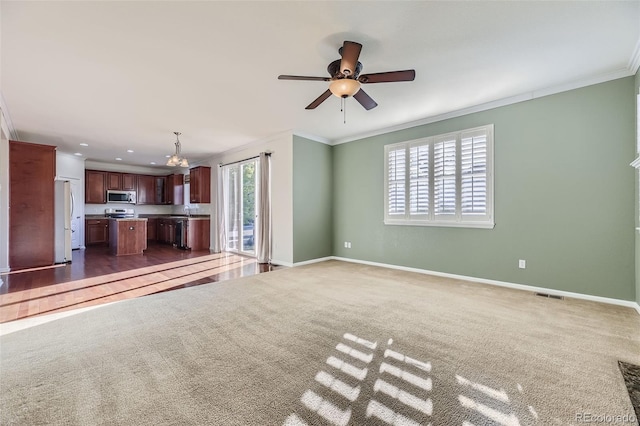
pixel 222 208
pixel 263 247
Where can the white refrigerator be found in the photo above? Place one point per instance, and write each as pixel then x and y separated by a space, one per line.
pixel 63 213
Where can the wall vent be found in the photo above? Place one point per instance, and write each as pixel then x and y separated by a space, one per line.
pixel 550 296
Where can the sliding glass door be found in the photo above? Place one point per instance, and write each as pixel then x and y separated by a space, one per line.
pixel 242 183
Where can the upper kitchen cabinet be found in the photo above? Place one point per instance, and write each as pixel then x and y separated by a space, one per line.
pixel 95 187
pixel 114 180
pixel 32 170
pixel 121 181
pixel 174 190
pixel 200 184
pixel 160 188
pixel 128 182
pixel 146 189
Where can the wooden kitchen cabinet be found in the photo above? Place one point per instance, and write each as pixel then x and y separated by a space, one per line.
pixel 200 184
pixel 160 190
pixel 114 180
pixel 152 228
pixel 32 170
pixel 174 189
pixel 95 187
pixel 166 231
pixel 146 189
pixel 127 236
pixel 96 231
pixel 199 234
pixel 128 182
pixel 121 181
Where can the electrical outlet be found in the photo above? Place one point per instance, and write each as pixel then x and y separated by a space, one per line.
pixel 346 244
pixel 522 264
pixel 349 244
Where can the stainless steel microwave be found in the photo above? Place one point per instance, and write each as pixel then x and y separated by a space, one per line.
pixel 122 197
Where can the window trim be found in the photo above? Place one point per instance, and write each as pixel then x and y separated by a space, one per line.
pixel 457 220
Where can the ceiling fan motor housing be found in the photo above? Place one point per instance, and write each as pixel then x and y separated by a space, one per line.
pixel 334 70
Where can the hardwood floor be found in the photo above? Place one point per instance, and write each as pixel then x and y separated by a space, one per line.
pixel 96 277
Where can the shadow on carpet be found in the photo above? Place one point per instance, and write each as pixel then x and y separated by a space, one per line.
pixel 631 374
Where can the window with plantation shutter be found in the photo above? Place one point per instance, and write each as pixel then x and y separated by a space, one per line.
pixel 444 180
pixel 419 180
pixel 396 161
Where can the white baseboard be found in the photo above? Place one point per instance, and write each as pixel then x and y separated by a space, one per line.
pixel 281 262
pixel 308 262
pixel 611 301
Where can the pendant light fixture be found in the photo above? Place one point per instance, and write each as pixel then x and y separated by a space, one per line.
pixel 177 159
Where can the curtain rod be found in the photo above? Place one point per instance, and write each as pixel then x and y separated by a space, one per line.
pixel 246 159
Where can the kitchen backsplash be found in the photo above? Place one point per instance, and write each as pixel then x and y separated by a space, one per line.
pixel 194 209
pixel 139 209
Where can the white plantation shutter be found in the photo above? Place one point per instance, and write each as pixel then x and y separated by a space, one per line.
pixel 473 173
pixel 396 181
pixel 444 176
pixel 444 180
pixel 419 180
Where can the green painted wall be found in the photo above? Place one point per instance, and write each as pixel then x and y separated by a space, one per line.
pixel 562 197
pixel 312 199
pixel 637 195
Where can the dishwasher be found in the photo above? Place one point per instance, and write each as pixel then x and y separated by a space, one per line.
pixel 182 228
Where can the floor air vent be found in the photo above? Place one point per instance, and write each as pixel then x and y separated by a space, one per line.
pixel 550 296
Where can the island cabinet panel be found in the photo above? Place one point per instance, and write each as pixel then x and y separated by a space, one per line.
pixel 146 190
pixel 128 182
pixel 200 184
pixel 32 170
pixel 95 187
pixel 127 236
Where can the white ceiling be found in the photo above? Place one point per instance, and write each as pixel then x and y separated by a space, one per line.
pixel 125 75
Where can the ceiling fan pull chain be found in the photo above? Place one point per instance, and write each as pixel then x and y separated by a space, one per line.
pixel 343 109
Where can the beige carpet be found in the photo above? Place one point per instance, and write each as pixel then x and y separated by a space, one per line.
pixel 327 344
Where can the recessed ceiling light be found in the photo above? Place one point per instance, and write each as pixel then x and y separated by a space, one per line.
pixel 129 150
pixel 153 162
pixel 167 156
pixel 78 154
pixel 119 159
pixel 84 144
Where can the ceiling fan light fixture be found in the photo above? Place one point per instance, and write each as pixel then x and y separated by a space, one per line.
pixel 177 159
pixel 344 87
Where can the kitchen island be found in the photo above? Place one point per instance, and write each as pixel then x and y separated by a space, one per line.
pixel 127 236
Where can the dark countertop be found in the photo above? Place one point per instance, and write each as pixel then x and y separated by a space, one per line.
pixel 154 216
pixel 175 216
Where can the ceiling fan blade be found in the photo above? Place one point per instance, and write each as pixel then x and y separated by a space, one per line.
pixel 300 77
pixel 350 53
pixel 365 100
pixel 320 100
pixel 388 77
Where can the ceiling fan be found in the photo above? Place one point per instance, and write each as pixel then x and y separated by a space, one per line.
pixel 346 79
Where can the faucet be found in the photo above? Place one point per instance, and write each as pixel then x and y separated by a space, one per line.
pixel 187 210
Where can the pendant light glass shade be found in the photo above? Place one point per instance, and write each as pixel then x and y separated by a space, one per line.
pixel 177 159
pixel 344 87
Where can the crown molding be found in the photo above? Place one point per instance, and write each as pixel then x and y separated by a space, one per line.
pixel 602 78
pixel 315 138
pixel 634 61
pixel 7 124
